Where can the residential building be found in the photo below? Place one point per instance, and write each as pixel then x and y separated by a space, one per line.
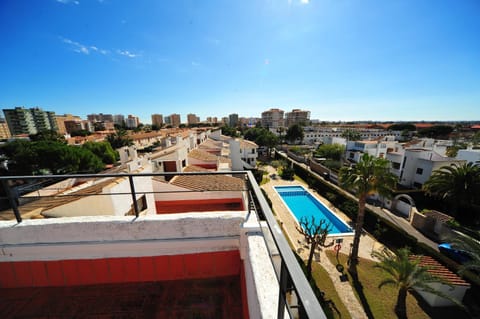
pixel 469 155
pixel 4 131
pixel 175 120
pixel 119 119
pixel 192 119
pixel 132 121
pixel 273 118
pixel 78 125
pixel 29 121
pixel 378 148
pixel 414 166
pixel 168 120
pixel 100 117
pixel 233 120
pixel 61 119
pixel 157 119
pixel 225 120
pixel 297 116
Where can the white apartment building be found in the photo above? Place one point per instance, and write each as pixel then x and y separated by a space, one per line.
pixel 414 166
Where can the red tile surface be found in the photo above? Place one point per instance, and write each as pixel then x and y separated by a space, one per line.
pixel 202 298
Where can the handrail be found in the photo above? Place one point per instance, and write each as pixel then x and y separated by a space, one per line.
pixel 290 270
pixel 309 301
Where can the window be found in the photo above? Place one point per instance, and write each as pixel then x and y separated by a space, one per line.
pixel 419 171
pixel 395 165
pixel 417 185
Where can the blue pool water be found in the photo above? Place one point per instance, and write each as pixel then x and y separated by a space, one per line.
pixel 302 203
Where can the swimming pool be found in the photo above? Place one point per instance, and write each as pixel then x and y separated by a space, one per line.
pixel 301 203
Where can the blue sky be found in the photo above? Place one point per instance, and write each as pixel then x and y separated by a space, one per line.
pixel 340 59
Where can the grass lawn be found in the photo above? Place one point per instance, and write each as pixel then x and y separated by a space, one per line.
pixel 336 309
pixel 381 302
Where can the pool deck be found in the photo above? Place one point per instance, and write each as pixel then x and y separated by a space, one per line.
pixel 287 221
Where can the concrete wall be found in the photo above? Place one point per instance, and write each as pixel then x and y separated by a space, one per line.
pixel 455 292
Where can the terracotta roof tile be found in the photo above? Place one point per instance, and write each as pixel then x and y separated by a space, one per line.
pixel 437 269
pixel 207 182
pixel 202 155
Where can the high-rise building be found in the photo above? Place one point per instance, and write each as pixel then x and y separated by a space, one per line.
pixel 132 121
pixel 119 119
pixel 272 118
pixel 175 120
pixel 4 131
pixel 233 119
pixel 192 119
pixel 297 116
pixel 157 119
pixel 29 121
pixel 100 117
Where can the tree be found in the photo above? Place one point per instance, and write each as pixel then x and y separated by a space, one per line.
pixel 406 273
pixel 351 135
pixel 330 151
pixel 295 133
pixel 459 185
pixel 103 150
pixel 287 172
pixel 409 127
pixel 80 133
pixel 369 176
pixel 436 131
pixel 119 139
pixel 229 131
pixel 315 235
pixel 47 135
pixel 472 247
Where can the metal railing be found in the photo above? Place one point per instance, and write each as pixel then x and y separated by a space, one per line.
pixel 296 296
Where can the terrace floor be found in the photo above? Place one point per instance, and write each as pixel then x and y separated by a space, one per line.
pixel 200 298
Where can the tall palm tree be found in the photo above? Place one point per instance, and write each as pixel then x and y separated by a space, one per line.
pixel 458 184
pixel 471 246
pixel 406 273
pixel 369 176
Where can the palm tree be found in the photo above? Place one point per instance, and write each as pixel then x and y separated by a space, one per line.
pixel 472 247
pixel 369 176
pixel 458 184
pixel 406 273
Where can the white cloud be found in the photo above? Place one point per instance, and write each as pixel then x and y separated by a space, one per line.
pixel 84 49
pixel 68 1
pixel 77 47
pixel 128 53
pixel 304 1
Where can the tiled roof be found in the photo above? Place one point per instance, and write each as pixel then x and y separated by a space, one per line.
pixel 202 155
pixel 207 182
pixel 438 216
pixel 248 144
pixel 440 271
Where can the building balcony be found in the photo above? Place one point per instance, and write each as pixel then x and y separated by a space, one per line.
pixel 134 248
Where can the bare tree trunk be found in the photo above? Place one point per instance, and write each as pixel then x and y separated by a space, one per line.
pixel 313 245
pixel 353 260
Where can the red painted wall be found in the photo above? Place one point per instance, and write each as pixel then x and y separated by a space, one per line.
pixel 119 270
pixel 201 205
